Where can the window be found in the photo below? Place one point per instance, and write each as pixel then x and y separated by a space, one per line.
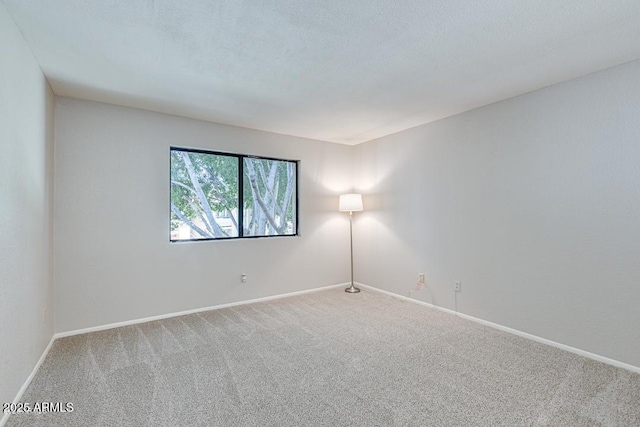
pixel 223 196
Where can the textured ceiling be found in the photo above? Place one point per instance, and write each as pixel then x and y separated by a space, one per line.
pixel 334 70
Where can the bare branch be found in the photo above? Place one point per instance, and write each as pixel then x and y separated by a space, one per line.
pixel 257 197
pixel 288 193
pixel 186 220
pixel 233 219
pixel 203 200
pixel 199 212
pixel 264 207
pixel 183 185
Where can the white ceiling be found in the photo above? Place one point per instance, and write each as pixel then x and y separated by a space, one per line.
pixel 334 70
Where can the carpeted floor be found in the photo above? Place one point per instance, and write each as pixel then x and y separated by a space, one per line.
pixel 325 359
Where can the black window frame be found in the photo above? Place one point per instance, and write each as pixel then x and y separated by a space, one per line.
pixel 240 158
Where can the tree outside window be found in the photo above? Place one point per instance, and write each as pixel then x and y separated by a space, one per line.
pixel 208 188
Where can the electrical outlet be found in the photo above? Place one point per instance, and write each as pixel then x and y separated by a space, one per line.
pixel 457 287
pixel 243 278
pixel 421 278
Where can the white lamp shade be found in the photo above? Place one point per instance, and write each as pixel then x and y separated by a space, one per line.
pixel 350 202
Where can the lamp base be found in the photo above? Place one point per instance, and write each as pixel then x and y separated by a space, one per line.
pixel 352 289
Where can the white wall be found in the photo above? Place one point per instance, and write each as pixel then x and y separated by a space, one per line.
pixel 26 166
pixel 533 203
pixel 114 261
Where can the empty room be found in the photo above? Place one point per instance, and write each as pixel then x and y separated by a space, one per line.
pixel 319 213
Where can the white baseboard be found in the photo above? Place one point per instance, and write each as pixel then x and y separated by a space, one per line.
pixel 196 310
pixel 5 417
pixel 511 331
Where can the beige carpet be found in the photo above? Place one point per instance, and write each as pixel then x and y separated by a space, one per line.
pixel 325 359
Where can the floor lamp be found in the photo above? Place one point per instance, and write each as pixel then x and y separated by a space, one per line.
pixel 351 203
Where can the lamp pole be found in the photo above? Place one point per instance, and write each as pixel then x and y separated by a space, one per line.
pixel 351 203
pixel 351 289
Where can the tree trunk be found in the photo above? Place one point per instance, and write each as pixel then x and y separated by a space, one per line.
pixel 217 231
